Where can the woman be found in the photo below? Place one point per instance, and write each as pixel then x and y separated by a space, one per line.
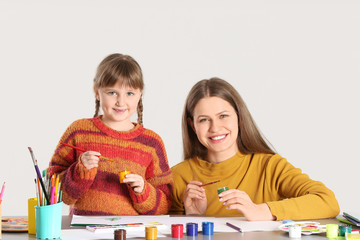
pixel 222 142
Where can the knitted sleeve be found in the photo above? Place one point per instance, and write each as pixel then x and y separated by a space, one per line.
pixel 303 198
pixel 182 175
pixel 74 177
pixel 156 196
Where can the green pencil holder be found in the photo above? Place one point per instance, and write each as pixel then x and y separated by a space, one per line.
pixel 48 221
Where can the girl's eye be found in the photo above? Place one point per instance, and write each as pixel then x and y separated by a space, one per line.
pixel 130 93
pixel 112 93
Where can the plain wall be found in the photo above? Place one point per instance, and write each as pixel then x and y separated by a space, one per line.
pixel 295 63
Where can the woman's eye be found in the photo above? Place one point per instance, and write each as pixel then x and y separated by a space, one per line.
pixel 203 120
pixel 223 116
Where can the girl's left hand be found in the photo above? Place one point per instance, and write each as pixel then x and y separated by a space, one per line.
pixel 240 200
pixel 135 181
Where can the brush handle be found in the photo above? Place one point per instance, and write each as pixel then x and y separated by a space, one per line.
pixel 77 148
pixel 42 184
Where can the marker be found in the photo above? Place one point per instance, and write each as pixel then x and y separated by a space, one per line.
pixel 234 227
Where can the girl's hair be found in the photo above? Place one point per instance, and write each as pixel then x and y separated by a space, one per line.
pixel 118 67
pixel 249 139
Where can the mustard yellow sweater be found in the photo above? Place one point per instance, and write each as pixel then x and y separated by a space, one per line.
pixel 289 193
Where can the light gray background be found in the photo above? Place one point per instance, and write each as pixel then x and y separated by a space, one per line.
pixel 295 63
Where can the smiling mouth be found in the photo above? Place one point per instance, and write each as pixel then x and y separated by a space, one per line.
pixel 218 137
pixel 119 110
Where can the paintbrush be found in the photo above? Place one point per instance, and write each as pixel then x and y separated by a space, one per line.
pixel 83 150
pixel 39 175
pixel 209 183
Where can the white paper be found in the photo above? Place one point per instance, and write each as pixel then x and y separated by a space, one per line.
pixel 246 226
pixel 114 220
pixel 83 234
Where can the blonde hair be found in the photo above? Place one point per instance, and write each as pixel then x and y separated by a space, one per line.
pixel 118 67
pixel 249 138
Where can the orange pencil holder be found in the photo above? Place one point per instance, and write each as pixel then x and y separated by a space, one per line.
pixel 122 175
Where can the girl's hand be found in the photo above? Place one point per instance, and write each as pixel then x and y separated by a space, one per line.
pixel 239 200
pixel 194 199
pixel 90 159
pixel 135 181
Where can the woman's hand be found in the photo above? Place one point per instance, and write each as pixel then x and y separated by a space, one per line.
pixel 135 181
pixel 90 159
pixel 240 200
pixel 194 199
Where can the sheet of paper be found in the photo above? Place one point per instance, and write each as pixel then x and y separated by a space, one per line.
pixel 246 226
pixel 114 220
pixel 83 234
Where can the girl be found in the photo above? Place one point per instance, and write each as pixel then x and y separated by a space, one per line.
pixel 222 142
pixel 90 184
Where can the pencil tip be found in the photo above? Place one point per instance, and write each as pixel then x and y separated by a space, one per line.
pixel 30 149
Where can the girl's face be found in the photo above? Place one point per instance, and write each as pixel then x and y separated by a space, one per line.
pixel 118 103
pixel 216 126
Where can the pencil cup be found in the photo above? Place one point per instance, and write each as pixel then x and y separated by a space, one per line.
pixel 32 202
pixel 48 221
pixel 122 175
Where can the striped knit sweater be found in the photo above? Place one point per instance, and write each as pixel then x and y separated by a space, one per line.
pixel 98 191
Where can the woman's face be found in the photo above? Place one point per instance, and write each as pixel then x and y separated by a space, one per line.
pixel 216 125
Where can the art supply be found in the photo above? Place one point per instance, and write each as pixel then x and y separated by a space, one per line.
pixel 307 228
pixel 150 233
pixel 332 230
pixel 32 202
pixel 48 221
pixel 83 150
pixel 344 229
pixel 233 227
pixel 2 192
pixel 39 175
pixel 191 229
pixel 222 189
pixel 208 228
pixel 14 224
pixel 122 175
pixel 352 236
pixel 209 183
pixel 120 234
pixel 295 231
pixel 177 230
pixel 1 222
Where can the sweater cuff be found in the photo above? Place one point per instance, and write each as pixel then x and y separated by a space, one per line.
pixel 278 209
pixel 140 197
pixel 85 173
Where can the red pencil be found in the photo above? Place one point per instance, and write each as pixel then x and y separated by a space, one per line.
pixel 83 150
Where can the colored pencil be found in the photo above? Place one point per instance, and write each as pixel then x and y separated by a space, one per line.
pixel 83 150
pixel 209 183
pixel 2 192
pixel 39 174
pixel 39 192
pixel 233 227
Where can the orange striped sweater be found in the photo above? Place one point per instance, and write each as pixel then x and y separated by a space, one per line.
pixel 98 191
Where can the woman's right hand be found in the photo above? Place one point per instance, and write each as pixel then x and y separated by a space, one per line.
pixel 90 159
pixel 194 199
